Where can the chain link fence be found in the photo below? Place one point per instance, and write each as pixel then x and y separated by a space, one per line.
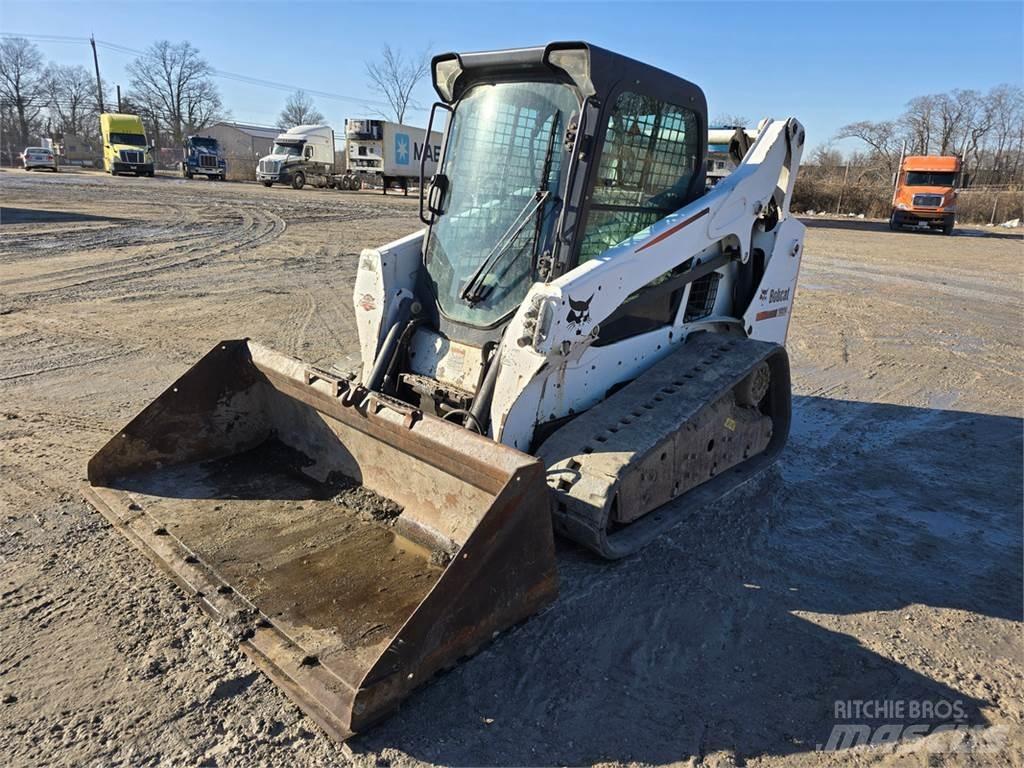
pixel 982 205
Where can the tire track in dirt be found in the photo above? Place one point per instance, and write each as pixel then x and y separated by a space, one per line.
pixel 120 233
pixel 303 326
pixel 257 226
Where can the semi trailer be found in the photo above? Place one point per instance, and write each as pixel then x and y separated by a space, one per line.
pixel 388 153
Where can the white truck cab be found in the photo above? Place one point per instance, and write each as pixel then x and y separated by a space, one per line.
pixel 300 154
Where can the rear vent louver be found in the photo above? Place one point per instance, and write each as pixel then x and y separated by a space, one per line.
pixel 701 302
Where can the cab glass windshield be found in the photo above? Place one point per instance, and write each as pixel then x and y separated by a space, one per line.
pixel 130 139
pixel 504 169
pixel 287 149
pixel 930 178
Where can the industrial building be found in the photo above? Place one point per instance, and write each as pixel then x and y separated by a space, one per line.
pixel 243 145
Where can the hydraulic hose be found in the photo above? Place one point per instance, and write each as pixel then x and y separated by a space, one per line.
pixel 387 350
pixel 481 408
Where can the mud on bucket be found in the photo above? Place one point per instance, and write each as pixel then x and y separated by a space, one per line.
pixel 353 545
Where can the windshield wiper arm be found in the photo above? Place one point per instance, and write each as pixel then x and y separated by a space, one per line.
pixel 472 292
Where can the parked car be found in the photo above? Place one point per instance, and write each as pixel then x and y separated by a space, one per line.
pixel 38 157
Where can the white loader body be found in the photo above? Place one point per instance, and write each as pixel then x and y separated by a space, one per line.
pixel 559 371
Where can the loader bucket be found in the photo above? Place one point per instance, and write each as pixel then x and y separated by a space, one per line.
pixel 353 545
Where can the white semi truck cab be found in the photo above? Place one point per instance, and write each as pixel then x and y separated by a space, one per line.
pixel 301 154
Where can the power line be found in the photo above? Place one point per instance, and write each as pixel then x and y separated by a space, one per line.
pixel 247 79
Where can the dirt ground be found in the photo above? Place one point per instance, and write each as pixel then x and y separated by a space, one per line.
pixel 880 562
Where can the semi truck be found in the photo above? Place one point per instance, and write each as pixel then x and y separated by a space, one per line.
pixel 302 154
pixel 387 153
pixel 125 148
pixel 201 156
pixel 924 193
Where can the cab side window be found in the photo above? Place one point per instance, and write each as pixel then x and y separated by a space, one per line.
pixel 647 166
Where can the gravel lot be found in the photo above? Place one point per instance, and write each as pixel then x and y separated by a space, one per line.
pixel 881 561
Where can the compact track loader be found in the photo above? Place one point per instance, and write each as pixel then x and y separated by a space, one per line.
pixel 582 339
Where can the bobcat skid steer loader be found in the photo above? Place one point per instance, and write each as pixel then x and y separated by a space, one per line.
pixel 582 339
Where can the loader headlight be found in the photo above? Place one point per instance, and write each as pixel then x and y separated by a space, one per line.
pixel 447 69
pixel 574 60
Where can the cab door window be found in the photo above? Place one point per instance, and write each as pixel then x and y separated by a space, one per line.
pixel 650 157
pixel 646 170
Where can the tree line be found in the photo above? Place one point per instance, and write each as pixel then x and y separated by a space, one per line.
pixel 987 129
pixel 170 86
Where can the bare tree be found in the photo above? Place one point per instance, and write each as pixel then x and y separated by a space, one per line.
pixel 396 76
pixel 732 120
pixel 150 111
pixel 299 110
pixel 71 98
pixel 955 112
pixel 22 84
pixel 1002 147
pixel 919 120
pixel 178 84
pixel 826 156
pixel 881 137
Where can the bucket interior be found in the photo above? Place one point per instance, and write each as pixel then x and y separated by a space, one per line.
pixel 321 560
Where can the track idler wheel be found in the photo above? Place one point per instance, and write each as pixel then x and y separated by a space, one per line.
pixel 754 387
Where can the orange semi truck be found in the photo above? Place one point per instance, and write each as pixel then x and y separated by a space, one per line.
pixel 925 193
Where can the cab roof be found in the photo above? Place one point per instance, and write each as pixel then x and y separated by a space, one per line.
pixel 591 69
pixel 118 122
pixel 931 163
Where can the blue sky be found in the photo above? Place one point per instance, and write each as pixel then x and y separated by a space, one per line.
pixel 826 63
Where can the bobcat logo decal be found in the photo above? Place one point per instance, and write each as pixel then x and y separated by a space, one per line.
pixel 579 312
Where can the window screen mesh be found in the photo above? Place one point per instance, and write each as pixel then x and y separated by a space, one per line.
pixel 649 158
pixel 495 162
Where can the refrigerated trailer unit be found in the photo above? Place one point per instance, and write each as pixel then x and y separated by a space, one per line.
pixel 388 153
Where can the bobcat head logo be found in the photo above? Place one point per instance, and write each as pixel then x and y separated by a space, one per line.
pixel 579 312
pixel 764 295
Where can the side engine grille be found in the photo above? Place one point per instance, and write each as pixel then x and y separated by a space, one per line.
pixel 927 201
pixel 703 293
pixel 131 156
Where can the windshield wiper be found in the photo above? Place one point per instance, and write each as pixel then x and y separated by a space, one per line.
pixel 474 289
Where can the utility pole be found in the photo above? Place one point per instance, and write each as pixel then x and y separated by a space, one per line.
pixel 842 189
pixel 896 176
pixel 119 99
pixel 99 83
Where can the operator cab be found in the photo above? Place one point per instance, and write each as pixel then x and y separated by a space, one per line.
pixel 551 156
pixel 518 196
